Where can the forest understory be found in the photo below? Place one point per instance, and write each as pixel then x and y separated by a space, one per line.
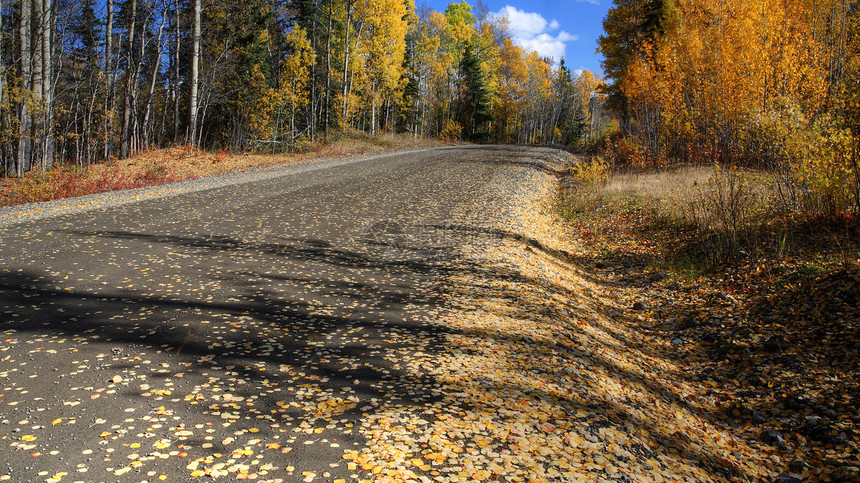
pixel 759 306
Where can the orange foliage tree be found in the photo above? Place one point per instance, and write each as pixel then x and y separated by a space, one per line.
pixel 761 83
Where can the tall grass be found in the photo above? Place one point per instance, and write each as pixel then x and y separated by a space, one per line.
pixel 67 182
pixel 710 216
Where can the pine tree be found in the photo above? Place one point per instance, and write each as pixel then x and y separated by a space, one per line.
pixel 86 32
pixel 411 92
pixel 84 73
pixel 475 99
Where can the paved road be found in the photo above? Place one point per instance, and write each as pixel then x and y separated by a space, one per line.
pixel 244 330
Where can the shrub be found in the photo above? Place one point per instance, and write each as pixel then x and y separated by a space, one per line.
pixel 67 182
pixel 828 173
pixel 722 214
pixel 592 172
pixel 453 131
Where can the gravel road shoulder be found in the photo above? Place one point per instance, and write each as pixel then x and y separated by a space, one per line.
pixel 35 211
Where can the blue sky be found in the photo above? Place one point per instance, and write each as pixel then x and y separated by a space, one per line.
pixel 567 28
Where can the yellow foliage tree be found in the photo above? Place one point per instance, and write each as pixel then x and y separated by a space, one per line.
pixel 513 89
pixel 259 102
pixel 726 80
pixel 292 92
pixel 382 49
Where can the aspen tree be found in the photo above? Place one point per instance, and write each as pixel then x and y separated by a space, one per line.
pixel 130 82
pixel 47 31
pixel 109 80
pixel 195 76
pixel 24 31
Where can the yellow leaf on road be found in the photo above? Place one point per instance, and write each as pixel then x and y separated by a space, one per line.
pixel 481 475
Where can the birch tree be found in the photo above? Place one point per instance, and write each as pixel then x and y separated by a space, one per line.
pixel 26 72
pixel 195 75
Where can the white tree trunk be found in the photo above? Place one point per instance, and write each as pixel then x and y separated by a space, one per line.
pixel 47 78
pixel 36 32
pixel 26 75
pixel 160 49
pixel 108 78
pixel 328 67
pixel 176 96
pixel 373 114
pixel 346 62
pixel 130 81
pixel 195 75
pixel 348 88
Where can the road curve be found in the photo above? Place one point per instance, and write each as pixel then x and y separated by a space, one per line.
pixel 247 330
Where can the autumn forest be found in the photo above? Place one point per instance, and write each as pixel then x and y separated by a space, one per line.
pixel 653 272
pixel 768 84
pixel 85 81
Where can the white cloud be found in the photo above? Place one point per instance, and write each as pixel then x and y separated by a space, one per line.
pixel 523 23
pixel 532 31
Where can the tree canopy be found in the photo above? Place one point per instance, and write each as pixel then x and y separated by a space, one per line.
pixel 765 83
pixel 268 76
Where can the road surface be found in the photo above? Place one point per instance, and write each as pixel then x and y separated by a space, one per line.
pixel 245 330
pixel 405 317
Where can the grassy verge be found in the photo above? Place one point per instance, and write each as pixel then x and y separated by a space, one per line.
pixel 759 304
pixel 158 166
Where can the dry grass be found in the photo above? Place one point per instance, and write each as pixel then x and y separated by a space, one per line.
pixel 760 303
pixel 667 191
pixel 719 213
pixel 704 217
pixel 682 194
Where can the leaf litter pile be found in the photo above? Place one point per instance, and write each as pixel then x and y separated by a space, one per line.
pixel 547 377
pixel 513 362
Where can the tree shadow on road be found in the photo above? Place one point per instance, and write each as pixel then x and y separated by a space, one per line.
pixel 312 337
pixel 586 340
pixel 305 347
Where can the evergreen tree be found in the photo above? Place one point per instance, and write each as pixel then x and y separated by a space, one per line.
pixel 411 92
pixel 475 99
pixel 86 31
pixel 85 100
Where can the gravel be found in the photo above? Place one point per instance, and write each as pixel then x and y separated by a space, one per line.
pixel 28 212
